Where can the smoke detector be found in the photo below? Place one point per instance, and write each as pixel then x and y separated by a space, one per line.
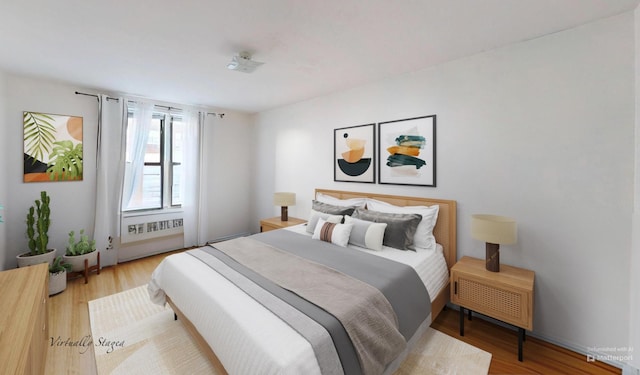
pixel 242 62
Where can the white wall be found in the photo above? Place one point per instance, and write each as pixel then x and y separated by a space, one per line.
pixel 230 155
pixel 541 131
pixel 634 295
pixel 73 203
pixel 3 170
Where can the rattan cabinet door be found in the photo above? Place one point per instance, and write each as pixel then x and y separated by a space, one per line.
pixel 492 298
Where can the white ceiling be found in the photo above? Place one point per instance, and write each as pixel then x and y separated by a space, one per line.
pixel 177 51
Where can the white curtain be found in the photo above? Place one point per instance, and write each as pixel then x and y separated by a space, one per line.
pixel 112 117
pixel 137 143
pixel 194 200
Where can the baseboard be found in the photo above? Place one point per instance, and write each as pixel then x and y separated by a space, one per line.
pixel 627 369
pixel 589 355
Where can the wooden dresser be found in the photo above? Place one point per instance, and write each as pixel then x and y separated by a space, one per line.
pixel 24 331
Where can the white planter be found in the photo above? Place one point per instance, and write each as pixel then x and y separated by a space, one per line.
pixel 57 282
pixel 25 259
pixel 77 261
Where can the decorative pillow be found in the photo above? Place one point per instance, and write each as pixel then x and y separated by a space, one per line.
pixel 315 215
pixel 332 209
pixel 366 233
pixel 424 233
pixel 351 202
pixel 331 232
pixel 401 228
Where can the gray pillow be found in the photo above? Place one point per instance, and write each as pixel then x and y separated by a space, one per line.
pixel 401 228
pixel 366 234
pixel 331 209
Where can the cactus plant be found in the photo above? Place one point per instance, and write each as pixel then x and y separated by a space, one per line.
pixel 58 276
pixel 83 246
pixel 38 221
pixel 59 266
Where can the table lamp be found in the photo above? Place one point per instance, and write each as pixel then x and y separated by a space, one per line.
pixel 284 200
pixel 494 230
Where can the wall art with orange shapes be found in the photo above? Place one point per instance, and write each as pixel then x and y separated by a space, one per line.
pixel 407 151
pixel 52 147
pixel 354 154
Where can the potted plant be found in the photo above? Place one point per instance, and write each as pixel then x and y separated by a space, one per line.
pixel 38 220
pixel 77 252
pixel 58 276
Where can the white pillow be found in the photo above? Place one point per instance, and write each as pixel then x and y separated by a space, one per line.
pixel 424 233
pixel 330 232
pixel 315 215
pixel 351 202
pixel 366 234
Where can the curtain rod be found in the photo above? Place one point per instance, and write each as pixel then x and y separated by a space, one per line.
pixel 220 115
pixel 129 101
pixel 82 93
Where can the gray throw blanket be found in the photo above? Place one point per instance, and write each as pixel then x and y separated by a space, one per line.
pixel 365 313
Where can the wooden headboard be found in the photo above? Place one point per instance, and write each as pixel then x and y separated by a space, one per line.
pixel 445 229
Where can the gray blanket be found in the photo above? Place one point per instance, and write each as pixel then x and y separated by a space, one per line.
pixel 399 282
pixel 365 314
pixel 372 332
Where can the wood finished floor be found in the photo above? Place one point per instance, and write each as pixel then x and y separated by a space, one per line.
pixel 70 351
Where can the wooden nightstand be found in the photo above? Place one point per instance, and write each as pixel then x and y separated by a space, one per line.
pixel 275 223
pixel 506 295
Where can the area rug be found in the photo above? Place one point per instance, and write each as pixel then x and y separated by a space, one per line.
pixel 131 335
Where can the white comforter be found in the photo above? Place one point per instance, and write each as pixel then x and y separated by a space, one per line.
pixel 246 337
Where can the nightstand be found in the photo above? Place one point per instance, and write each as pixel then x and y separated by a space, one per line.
pixel 506 295
pixel 275 223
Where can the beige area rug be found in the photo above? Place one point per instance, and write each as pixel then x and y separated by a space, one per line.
pixel 131 335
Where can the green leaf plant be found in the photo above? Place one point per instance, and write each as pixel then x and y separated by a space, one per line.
pixel 66 161
pixel 39 134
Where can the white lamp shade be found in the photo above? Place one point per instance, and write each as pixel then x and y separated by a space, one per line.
pixel 284 199
pixel 494 229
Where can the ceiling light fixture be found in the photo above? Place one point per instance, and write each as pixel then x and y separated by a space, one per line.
pixel 242 62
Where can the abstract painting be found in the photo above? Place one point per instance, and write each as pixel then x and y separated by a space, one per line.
pixel 407 151
pixel 52 147
pixel 354 156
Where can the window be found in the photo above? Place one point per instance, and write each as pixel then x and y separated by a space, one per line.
pixel 153 162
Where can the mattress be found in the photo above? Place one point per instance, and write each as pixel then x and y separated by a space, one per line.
pixel 234 324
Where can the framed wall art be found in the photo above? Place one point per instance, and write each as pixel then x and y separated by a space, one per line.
pixel 354 154
pixel 407 151
pixel 52 147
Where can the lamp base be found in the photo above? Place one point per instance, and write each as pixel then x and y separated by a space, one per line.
pixel 493 257
pixel 284 213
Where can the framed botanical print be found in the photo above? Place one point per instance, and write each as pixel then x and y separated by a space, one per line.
pixel 354 154
pixel 407 151
pixel 52 147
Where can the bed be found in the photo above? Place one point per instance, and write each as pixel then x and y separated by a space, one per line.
pixel 241 329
